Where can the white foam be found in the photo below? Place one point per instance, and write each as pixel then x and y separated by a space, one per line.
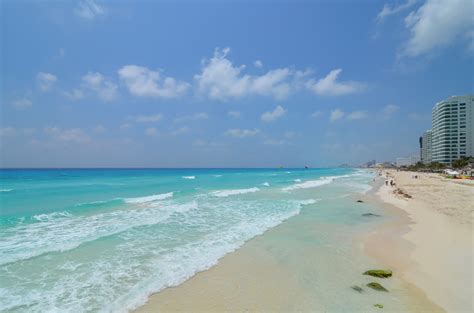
pixel 297 180
pixel 151 198
pixel 51 216
pixel 188 177
pixel 232 192
pixel 309 201
pixel 309 184
pixel 266 184
pixel 61 231
pixel 314 183
pixel 5 190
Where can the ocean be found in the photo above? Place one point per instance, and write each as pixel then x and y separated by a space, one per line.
pixel 103 240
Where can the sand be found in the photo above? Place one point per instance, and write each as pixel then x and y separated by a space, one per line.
pixel 431 243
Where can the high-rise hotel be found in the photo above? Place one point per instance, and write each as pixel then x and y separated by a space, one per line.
pixel 452 133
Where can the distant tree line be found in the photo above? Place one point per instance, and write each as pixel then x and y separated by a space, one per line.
pixel 437 166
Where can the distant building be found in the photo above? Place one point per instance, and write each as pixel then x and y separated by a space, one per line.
pixel 452 133
pixel 425 147
pixel 407 161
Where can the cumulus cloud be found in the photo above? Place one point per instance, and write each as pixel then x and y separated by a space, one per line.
pixel 389 110
pixel 221 80
pixel 192 117
pixel 336 115
pixel 148 118
pixel 88 9
pixel 234 114
pixel 329 86
pixel 258 64
pixel 242 133
pixel 45 80
pixel 356 115
pixel 437 24
pixel 388 9
pixel 271 116
pixel 22 103
pixel 105 89
pixel 74 135
pixel 143 82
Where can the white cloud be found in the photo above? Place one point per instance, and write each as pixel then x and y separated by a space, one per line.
pixel 437 24
pixel 148 118
pixel 274 142
pixel 180 131
pixel 356 115
pixel 22 103
pixel 75 135
pixel 336 115
pixel 88 9
pixel 242 133
pixel 394 9
pixel 329 86
pixel 125 126
pixel 46 80
pixel 258 64
pixel 151 131
pixel 221 80
pixel 143 82
pixel 105 89
pixel 192 117
pixel 271 116
pixel 75 94
pixel 389 110
pixel 234 114
pixel 316 114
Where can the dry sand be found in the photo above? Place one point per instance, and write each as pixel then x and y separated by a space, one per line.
pixel 431 244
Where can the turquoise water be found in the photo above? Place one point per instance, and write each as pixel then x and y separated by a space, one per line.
pixel 103 240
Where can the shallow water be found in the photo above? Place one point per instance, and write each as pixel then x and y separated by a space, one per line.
pixel 103 240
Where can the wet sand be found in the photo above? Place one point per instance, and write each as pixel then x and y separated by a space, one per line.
pixel 293 267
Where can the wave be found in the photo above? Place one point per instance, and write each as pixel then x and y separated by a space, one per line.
pixel 309 201
pixel 314 183
pixel 145 261
pixel 51 216
pixel 266 184
pixel 151 198
pixel 297 180
pixel 6 190
pixel 232 192
pixel 62 231
pixel 188 177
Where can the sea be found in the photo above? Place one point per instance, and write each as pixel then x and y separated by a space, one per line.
pixel 103 240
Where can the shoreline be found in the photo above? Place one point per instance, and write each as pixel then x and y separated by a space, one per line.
pixel 253 277
pixel 430 242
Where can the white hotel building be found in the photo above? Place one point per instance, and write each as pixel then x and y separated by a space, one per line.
pixel 452 133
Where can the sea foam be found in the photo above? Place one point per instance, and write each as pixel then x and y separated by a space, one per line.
pixel 232 192
pixel 151 198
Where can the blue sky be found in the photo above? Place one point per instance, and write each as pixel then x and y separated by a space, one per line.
pixel 226 84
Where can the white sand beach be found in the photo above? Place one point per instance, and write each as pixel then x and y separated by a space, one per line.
pixel 431 244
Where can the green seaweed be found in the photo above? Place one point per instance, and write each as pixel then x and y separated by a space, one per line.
pixel 379 273
pixel 378 305
pixel 376 286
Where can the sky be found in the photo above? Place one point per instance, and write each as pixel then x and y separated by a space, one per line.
pixel 94 83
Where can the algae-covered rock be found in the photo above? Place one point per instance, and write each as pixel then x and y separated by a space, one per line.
pixel 379 273
pixel 360 201
pixel 378 305
pixel 376 286
pixel 370 215
pixel 357 288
